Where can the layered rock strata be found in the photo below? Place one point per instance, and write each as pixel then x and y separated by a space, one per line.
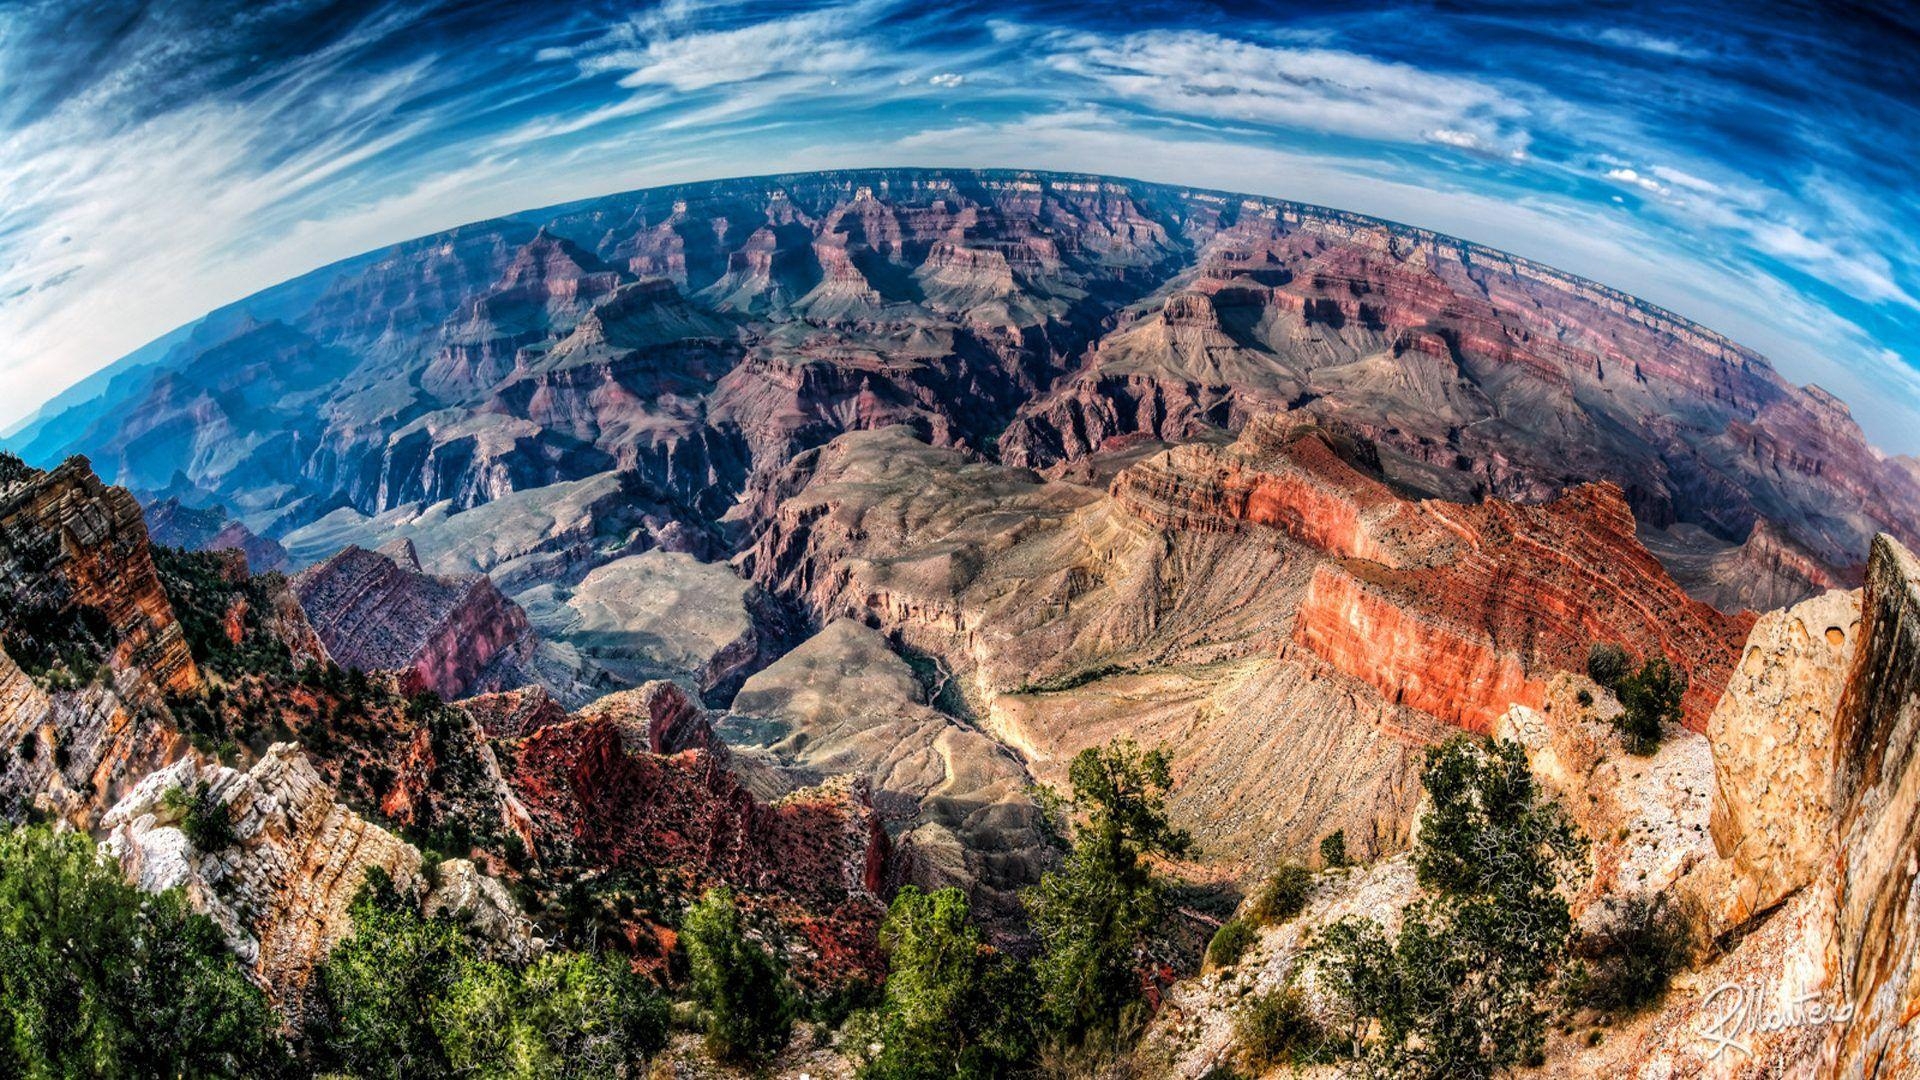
pixel 378 611
pixel 281 892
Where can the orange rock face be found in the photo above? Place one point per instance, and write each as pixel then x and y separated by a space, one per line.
pixel 1456 610
pixel 94 554
pixel 1532 588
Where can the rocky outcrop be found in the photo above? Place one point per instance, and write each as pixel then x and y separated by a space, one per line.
pixel 513 714
pixel 175 524
pixel 1774 749
pixel 1815 815
pixel 281 892
pixel 639 784
pixel 378 611
pixel 91 647
pixel 69 543
pixel 1532 589
pixel 1874 956
pixel 72 753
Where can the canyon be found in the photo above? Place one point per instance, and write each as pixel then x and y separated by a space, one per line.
pixel 794 534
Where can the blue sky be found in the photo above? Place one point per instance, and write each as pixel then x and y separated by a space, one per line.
pixel 1748 166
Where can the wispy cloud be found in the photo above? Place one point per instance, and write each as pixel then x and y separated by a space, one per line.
pixel 1195 73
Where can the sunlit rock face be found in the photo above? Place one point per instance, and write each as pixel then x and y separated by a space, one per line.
pixel 80 586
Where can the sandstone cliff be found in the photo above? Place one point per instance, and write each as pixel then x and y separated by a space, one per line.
pixel 378 611
pixel 91 647
pixel 281 892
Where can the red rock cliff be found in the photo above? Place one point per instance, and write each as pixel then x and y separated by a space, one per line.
pixel 379 612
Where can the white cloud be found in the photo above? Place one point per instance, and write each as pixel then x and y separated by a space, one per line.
pixel 664 49
pixel 1200 74
pixel 947 79
pixel 1632 176
pixel 1649 43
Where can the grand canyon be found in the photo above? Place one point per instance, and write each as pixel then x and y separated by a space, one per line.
pixel 797 535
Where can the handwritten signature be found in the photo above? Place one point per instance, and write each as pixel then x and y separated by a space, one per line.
pixel 1739 1011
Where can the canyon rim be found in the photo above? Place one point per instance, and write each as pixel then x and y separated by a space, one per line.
pixel 920 620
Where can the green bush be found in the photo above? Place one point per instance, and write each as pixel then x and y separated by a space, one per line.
pixel 1632 959
pixel 381 986
pixel 1230 943
pixel 1333 849
pixel 13 470
pixel 1607 664
pixel 1456 994
pixel 1095 915
pixel 566 1014
pixel 1649 699
pixel 100 979
pixel 1283 896
pixel 408 996
pixel 204 818
pixel 1275 1029
pixel 953 1007
pixel 738 986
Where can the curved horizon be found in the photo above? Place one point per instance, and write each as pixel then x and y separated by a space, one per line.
pixel 72 394
pixel 1748 170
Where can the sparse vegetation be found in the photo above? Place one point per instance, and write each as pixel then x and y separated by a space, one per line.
pixel 1628 964
pixel 1650 699
pixel 204 595
pixel 61 645
pixel 1333 850
pixel 203 816
pixel 1607 664
pixel 1275 1029
pixel 1282 896
pixel 1457 992
pixel 1230 943
pixel 12 469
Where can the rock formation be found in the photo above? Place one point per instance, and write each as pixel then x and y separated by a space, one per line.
pixel 640 784
pixel 378 611
pixel 694 338
pixel 1774 749
pixel 89 646
pixel 174 524
pixel 281 892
